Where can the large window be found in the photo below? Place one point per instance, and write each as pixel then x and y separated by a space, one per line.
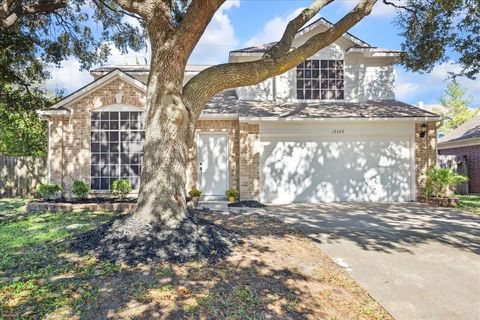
pixel 320 79
pixel 117 139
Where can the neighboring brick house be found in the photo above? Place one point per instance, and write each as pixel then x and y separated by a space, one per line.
pixel 465 141
pixel 328 130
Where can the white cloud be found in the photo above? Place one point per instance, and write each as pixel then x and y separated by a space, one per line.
pixel 68 76
pixel 130 58
pixel 430 87
pixel 219 38
pixel 273 29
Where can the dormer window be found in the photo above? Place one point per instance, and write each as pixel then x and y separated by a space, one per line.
pixel 320 80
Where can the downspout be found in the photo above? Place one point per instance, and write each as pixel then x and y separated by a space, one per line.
pixel 274 88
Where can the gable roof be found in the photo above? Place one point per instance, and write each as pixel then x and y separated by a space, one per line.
pixel 94 85
pixel 468 130
pixel 262 48
pixel 227 103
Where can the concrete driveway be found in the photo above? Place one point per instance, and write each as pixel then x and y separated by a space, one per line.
pixel 419 262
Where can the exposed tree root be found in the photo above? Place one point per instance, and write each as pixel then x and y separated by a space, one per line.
pixel 130 240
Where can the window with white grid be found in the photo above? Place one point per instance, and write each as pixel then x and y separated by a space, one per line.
pixel 320 80
pixel 117 139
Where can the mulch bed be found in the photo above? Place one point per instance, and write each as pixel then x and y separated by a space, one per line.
pixel 247 204
pixel 131 241
pixel 90 200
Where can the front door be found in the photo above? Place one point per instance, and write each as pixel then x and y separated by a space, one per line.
pixel 213 163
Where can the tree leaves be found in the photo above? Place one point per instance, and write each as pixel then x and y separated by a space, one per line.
pixel 440 30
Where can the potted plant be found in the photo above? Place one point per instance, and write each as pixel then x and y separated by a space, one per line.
pixel 194 195
pixel 441 184
pixel 232 194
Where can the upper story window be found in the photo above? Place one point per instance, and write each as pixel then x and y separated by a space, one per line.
pixel 320 80
pixel 117 139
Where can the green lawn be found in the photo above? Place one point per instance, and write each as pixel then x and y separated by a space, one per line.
pixel 470 203
pixel 42 278
pixel 35 277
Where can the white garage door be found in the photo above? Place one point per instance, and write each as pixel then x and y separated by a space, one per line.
pixel 319 169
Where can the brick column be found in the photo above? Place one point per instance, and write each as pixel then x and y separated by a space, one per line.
pixel 425 154
pixel 249 161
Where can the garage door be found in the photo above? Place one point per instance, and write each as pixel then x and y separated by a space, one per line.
pixel 318 169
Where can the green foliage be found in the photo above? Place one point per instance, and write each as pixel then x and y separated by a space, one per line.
pixel 232 192
pixel 22 132
pixel 36 42
pixel 441 182
pixel 195 193
pixel 440 31
pixel 121 187
pixel 80 189
pixel 455 110
pixel 49 190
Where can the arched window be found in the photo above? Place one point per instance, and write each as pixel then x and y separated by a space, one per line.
pixel 117 139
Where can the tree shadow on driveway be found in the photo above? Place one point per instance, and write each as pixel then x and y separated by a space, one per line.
pixel 383 227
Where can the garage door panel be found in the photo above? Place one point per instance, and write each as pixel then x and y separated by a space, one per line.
pixel 330 171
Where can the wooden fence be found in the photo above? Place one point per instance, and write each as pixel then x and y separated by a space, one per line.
pixel 20 176
pixel 457 164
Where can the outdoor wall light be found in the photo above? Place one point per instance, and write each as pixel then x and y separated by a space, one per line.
pixel 423 130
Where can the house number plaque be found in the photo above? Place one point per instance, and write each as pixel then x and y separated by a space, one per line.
pixel 338 131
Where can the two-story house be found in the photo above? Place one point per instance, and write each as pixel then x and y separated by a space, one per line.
pixel 328 130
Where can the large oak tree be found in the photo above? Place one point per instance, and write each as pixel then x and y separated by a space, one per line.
pixel 432 30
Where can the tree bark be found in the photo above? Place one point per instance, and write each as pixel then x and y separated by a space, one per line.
pixel 162 197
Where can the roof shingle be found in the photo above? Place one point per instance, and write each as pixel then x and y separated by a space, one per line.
pixel 468 130
pixel 228 103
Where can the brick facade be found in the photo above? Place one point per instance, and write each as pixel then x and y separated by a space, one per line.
pixel 473 164
pixel 425 154
pixel 69 143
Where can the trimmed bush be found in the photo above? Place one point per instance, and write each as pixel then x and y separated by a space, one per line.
pixel 194 193
pixel 49 191
pixel 80 189
pixel 121 188
pixel 441 182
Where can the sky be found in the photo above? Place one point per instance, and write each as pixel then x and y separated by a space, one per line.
pixel 242 23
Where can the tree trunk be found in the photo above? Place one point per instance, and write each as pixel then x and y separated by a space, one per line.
pixel 162 195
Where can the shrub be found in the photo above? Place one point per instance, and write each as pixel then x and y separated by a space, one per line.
pixel 232 192
pixel 194 193
pixel 121 187
pixel 49 191
pixel 80 189
pixel 441 182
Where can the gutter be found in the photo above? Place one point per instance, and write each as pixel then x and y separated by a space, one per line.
pixel 458 143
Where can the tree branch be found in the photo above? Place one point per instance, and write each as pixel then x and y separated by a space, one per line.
pixel 194 23
pixel 212 80
pixel 397 6
pixel 284 45
pixel 133 15
pixel 15 10
pixel 133 6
